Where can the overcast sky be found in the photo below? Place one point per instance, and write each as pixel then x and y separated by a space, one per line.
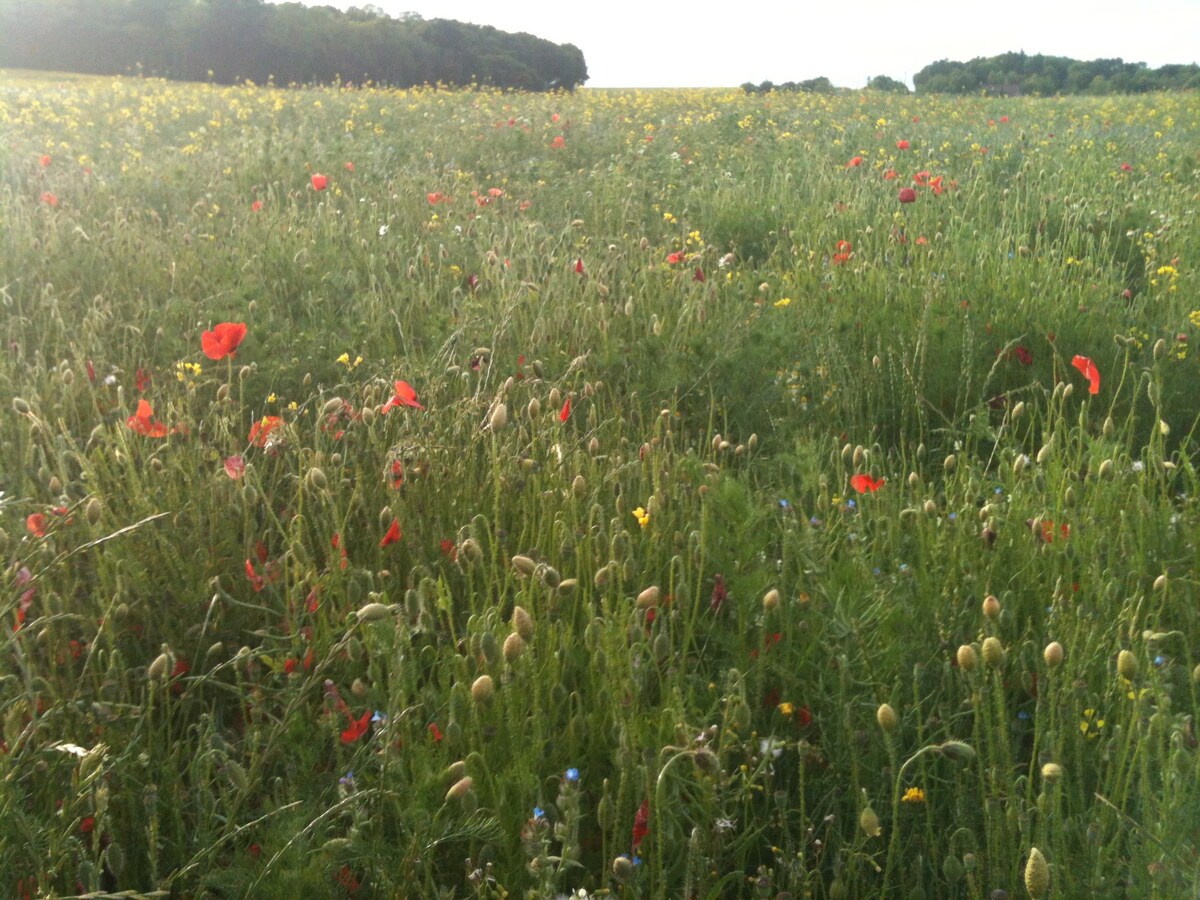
pixel 678 44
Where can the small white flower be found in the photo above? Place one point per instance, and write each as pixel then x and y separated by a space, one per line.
pixel 772 746
pixel 110 380
pixel 1138 465
pixel 383 230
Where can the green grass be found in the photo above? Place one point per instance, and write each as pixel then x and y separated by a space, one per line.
pixel 224 682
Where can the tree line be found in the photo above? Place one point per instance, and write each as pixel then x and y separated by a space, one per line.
pixel 231 41
pixel 1016 73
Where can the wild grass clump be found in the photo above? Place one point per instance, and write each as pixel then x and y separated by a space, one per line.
pixel 618 493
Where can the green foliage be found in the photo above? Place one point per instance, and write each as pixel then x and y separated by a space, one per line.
pixel 1017 73
pixel 232 41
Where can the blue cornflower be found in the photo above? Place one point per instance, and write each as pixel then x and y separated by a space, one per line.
pixel 572 775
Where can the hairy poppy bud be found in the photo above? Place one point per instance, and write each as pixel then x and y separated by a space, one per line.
pixel 523 623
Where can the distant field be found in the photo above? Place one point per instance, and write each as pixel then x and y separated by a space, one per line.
pixel 642 493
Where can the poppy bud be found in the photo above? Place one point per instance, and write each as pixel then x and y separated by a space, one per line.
pixel 514 646
pixel 162 663
pixel 593 446
pixel 20 406
pixel 498 418
pixel 869 822
pixel 993 651
pixel 907 195
pixel 1051 772
pixel 1109 428
pixel 967 658
pixel 886 717
pixel 317 479
pixel 555 398
pixel 930 507
pixel 481 690
pixel 93 510
pixel 460 789
pixel 579 486
pixel 534 409
pixel 949 463
pixel 455 771
pixel 373 612
pixel 1037 874
pixel 523 623
pixel 523 564
pixel 770 600
pixel 1018 409
pixel 359 688
pixel 1127 664
pixel 332 406
pixel 471 551
pixel 648 597
pixel 1053 654
pixel 622 866
pixel 368 415
pixel 1160 583
pixel 991 606
pixel 549 576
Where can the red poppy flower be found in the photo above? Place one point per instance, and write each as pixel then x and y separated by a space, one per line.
pixel 35 523
pixel 404 396
pixel 921 178
pixel 319 182
pixel 936 184
pixel 1126 167
pixel 256 206
pixel 1004 120
pixel 865 484
pixel 901 144
pixel 907 195
pixel 256 581
pixel 50 199
pixel 698 276
pixel 223 340
pixel 435 197
pixel 393 534
pixel 396 474
pixel 44 161
pixel 349 167
pixel 143 422
pixel 261 430
pixel 235 467
pixel 357 727
pixel 854 162
pixel 641 824
pixel 675 258
pixel 565 412
pixel 891 175
pixel 336 543
pixel 579 267
pixel 1089 371
pixel 559 142
pixel 435 732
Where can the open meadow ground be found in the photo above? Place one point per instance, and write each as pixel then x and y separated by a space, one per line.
pixel 643 494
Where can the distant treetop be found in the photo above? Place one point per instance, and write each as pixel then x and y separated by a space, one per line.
pixel 229 41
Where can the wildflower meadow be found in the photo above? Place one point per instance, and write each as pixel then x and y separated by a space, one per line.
pixel 683 494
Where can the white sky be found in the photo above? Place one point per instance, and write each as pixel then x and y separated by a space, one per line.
pixel 679 44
